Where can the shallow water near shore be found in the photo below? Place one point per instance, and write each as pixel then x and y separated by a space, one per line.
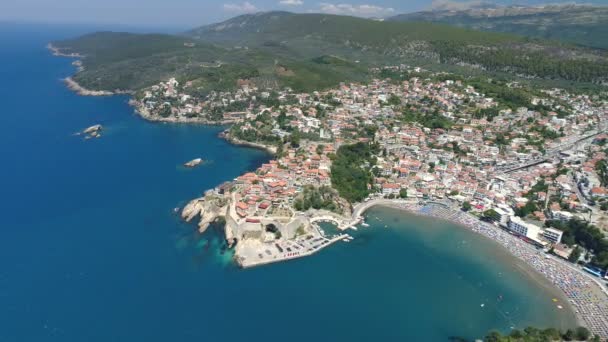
pixel 91 249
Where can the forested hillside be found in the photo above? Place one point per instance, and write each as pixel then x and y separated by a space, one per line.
pixel 315 51
pixel 577 24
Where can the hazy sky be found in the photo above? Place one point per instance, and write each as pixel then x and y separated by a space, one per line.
pixel 188 13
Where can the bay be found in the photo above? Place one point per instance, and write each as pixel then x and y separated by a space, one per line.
pixel 91 250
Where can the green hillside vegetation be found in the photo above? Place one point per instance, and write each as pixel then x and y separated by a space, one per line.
pixel 584 25
pixel 379 42
pixel 132 62
pixel 349 175
pixel 314 51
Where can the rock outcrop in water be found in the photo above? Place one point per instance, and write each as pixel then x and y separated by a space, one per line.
pixel 92 131
pixel 193 163
pixel 208 208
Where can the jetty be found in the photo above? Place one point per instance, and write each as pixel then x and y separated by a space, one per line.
pixel 302 246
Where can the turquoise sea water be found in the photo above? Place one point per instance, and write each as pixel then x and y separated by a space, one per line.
pixel 90 249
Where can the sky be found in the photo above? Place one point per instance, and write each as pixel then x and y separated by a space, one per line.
pixel 191 13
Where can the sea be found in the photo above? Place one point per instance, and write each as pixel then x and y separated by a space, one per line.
pixel 91 248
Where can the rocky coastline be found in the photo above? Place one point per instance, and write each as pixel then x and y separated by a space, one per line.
pixel 145 114
pixel 208 208
pixel 75 86
pixel 57 52
pixel 80 90
pixel 235 141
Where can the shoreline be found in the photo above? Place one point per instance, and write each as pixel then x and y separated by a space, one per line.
pixel 75 86
pixel 80 90
pixel 522 261
pixel 145 114
pixel 142 111
pixel 506 256
pixel 270 149
pixel 534 273
pixel 57 52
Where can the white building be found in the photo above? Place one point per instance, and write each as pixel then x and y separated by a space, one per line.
pixel 390 189
pixel 553 235
pixel 503 216
pixel 531 231
pixel 562 215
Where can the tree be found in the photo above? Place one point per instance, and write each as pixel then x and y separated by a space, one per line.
pixel 394 100
pixel 294 138
pixel 491 214
pixel 526 210
pixel 282 119
pixel 493 336
pixel 552 333
pixel 582 333
pixel 320 149
pixel 403 193
pixel 466 206
pixel 280 150
pixel 576 253
pixel 569 335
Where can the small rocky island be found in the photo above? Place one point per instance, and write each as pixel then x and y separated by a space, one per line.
pixel 194 163
pixel 92 131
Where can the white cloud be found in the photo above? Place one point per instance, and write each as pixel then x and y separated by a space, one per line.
pixel 356 10
pixel 245 7
pixel 291 2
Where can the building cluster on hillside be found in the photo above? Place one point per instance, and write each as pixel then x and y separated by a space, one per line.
pixel 440 139
pixel 275 184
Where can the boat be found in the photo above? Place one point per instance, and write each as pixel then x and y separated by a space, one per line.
pixel 364 224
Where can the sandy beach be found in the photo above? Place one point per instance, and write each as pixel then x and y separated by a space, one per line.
pixel 573 289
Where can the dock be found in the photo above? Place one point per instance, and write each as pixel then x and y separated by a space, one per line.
pixel 290 249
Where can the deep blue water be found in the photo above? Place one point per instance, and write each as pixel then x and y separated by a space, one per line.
pixel 91 251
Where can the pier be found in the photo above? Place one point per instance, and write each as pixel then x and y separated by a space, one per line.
pixel 285 250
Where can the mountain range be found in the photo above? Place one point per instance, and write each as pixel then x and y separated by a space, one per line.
pixel 315 51
pixel 580 24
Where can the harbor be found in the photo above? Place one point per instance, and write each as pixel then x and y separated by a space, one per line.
pixel 258 255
